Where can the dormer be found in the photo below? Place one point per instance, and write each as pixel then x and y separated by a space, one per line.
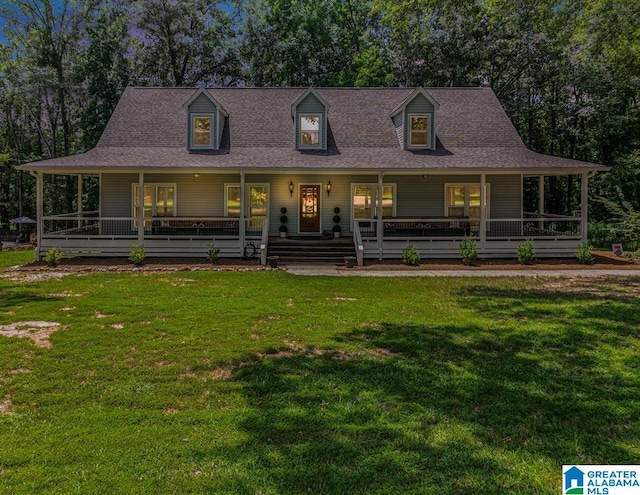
pixel 415 121
pixel 205 121
pixel 309 113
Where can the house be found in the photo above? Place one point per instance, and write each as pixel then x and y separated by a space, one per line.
pixel 180 168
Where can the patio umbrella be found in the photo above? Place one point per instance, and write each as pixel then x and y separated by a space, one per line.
pixel 22 219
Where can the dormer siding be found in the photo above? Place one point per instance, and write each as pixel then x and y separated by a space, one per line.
pixel 311 105
pixel 419 106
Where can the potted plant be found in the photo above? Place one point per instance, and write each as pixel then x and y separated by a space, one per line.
pixel 283 221
pixel 336 230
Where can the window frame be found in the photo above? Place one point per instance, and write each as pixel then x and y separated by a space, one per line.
pixel 212 143
pixel 466 186
pixel 319 116
pixel 154 199
pixel 428 132
pixel 248 186
pixel 374 199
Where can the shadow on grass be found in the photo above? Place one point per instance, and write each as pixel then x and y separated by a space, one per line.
pixel 450 409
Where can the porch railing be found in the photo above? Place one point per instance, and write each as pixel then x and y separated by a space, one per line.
pixel 88 227
pixel 357 242
pixel 264 242
pixel 555 226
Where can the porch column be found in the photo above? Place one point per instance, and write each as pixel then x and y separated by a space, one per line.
pixel 39 211
pixel 483 209
pixel 80 201
pixel 140 207
pixel 242 226
pixel 541 203
pixel 380 226
pixel 584 206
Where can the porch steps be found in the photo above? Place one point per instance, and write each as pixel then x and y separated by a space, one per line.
pixel 311 250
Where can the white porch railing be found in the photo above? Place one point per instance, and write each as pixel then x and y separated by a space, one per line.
pixel 82 227
pixel 357 242
pixel 457 228
pixel 264 242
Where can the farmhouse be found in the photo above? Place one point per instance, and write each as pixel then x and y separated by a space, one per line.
pixel 181 168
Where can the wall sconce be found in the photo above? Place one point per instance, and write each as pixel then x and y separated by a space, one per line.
pixel 328 188
pixel 197 176
pixel 291 189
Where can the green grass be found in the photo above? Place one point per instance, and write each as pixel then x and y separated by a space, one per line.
pixel 13 258
pixel 241 383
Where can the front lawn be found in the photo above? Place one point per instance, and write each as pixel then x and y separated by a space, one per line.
pixel 248 383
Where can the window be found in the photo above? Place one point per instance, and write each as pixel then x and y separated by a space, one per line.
pixel 202 136
pixel 419 131
pixel 310 131
pixel 364 200
pixel 257 198
pixel 159 201
pixel 463 200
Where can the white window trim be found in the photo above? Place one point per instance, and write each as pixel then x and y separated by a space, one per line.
pixel 247 204
pixel 374 189
pixel 320 131
pixel 466 185
pixel 154 185
pixel 429 131
pixel 192 142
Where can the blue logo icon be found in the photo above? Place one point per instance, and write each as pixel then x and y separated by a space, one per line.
pixel 573 481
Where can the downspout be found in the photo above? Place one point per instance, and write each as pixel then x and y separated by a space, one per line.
pixel 39 212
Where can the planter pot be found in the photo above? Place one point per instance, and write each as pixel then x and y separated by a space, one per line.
pixel 349 261
pixel 273 261
pixel 336 234
pixel 283 234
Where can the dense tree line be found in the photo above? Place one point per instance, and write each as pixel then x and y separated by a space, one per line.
pixel 566 71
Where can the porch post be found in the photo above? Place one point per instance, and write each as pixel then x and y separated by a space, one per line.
pixel 141 207
pixel 541 203
pixel 39 211
pixel 242 226
pixel 380 226
pixel 541 195
pixel 80 201
pixel 483 209
pixel 584 206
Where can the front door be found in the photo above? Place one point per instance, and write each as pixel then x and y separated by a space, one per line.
pixel 310 208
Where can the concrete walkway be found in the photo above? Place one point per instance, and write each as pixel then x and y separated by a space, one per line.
pixel 333 271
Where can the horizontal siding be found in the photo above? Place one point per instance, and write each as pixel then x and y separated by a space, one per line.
pixel 397 122
pixel 115 194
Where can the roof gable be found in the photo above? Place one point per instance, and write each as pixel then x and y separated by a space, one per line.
pixel 209 96
pixel 411 97
pixel 303 96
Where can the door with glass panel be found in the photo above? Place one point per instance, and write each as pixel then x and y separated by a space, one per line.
pixel 159 201
pixel 310 208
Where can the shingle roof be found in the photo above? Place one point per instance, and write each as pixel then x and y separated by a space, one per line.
pixel 148 130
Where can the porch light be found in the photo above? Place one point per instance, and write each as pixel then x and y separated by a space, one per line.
pixel 328 188
pixel 291 189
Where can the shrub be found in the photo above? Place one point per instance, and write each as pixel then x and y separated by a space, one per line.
pixel 213 252
pixel 53 257
pixel 137 254
pixel 468 251
pixel 526 252
pixel 584 255
pixel 411 256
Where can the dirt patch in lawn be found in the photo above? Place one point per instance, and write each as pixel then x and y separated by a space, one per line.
pixel 6 404
pixel 38 331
